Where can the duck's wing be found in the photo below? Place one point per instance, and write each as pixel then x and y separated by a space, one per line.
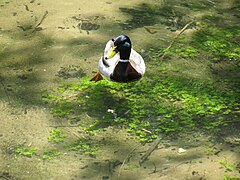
pixel 106 66
pixel 137 62
pixel 108 48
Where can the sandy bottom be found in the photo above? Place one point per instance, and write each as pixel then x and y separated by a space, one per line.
pixel 37 38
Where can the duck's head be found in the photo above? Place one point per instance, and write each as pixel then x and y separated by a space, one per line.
pixel 122 44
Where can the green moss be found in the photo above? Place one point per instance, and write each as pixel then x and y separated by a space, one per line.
pixel 56 135
pixel 187 52
pixel 212 151
pixel 228 166
pixel 131 166
pixel 211 41
pixel 50 153
pixel 159 105
pixel 218 42
pixel 227 177
pixel 84 146
pixel 26 151
pixel 166 100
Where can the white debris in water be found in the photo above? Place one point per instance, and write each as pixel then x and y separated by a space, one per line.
pixel 113 112
pixel 110 111
pixel 181 150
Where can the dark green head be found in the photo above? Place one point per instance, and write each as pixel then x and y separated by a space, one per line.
pixel 122 44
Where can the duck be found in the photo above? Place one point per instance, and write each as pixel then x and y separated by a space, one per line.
pixel 120 62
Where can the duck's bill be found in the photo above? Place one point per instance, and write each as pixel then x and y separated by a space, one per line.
pixel 112 53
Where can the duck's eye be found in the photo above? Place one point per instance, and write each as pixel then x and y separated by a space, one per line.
pixel 126 44
pixel 113 39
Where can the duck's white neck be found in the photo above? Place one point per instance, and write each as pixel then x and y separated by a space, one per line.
pixel 123 60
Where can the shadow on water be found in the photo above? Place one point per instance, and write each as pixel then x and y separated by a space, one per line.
pixel 149 15
pixel 167 13
pixel 220 40
pixel 156 102
pixel 99 100
pixel 109 104
pixel 24 58
pixel 19 61
pixel 32 53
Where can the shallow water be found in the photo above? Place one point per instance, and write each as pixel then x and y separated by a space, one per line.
pixel 41 42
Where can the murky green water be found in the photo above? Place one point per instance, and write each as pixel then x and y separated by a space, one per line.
pixel 45 44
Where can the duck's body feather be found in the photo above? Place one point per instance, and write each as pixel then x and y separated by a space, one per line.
pixel 121 70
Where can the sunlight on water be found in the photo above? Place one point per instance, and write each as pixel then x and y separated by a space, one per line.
pixel 49 50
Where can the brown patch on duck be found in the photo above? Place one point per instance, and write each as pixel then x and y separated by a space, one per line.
pixel 124 72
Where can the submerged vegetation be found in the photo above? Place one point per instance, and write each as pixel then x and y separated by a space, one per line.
pixel 163 101
pixel 30 152
pixel 155 105
pixel 84 146
pixel 26 151
pixel 56 135
pixel 188 99
pixel 50 153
